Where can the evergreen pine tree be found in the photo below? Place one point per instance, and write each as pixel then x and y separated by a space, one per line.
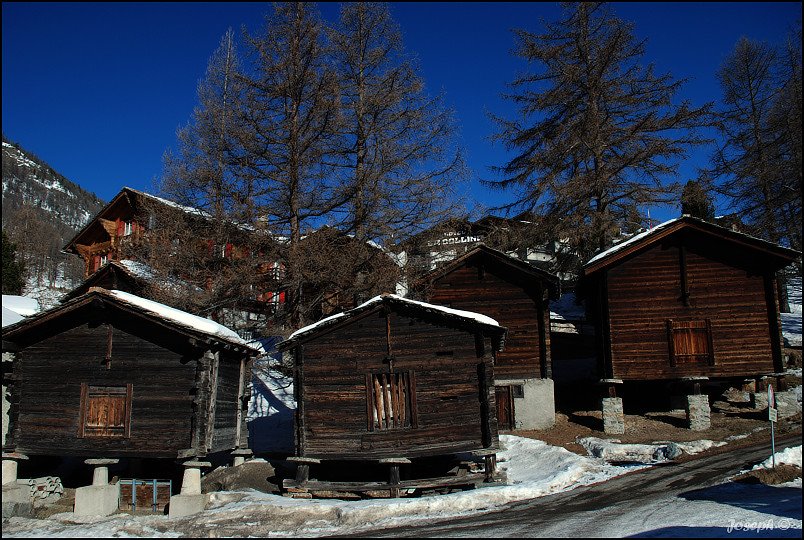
pixel 13 269
pixel 696 202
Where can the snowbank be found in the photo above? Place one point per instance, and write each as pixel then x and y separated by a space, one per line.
pixel 789 456
pixel 613 451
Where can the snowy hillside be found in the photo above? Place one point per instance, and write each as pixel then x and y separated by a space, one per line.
pixel 42 210
pixel 30 181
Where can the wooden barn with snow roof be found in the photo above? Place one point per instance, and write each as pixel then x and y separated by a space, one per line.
pixel 109 375
pixel 393 380
pixel 685 299
pixel 517 295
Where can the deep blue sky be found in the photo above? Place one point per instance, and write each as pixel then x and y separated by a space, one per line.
pixel 98 90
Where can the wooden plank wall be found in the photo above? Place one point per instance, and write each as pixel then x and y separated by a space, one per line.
pixel 48 381
pixel 510 305
pixel 645 291
pixel 445 362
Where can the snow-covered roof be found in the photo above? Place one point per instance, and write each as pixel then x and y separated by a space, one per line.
pixel 468 316
pixel 633 240
pixel 10 317
pixel 552 281
pixel 188 320
pixel 176 317
pixel 21 305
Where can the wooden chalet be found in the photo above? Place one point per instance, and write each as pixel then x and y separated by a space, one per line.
pixel 686 299
pixel 116 226
pixel 395 379
pixel 111 375
pixel 517 295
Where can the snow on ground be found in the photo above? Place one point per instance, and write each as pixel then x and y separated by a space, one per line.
pixel 270 411
pixel 533 467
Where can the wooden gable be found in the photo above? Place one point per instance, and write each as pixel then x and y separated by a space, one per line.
pixel 511 292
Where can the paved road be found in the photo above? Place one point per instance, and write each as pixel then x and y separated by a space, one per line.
pixel 596 510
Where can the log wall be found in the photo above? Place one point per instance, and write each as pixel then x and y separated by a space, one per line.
pixel 511 305
pixel 647 290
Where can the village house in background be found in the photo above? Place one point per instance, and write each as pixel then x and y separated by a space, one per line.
pixel 517 295
pixel 688 302
pixel 452 238
pixel 114 378
pixel 393 381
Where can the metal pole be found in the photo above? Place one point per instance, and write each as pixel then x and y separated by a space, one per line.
pixel 771 410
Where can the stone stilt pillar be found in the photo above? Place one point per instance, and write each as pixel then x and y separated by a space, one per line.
pixel 10 466
pixel 101 498
pixel 613 416
pixel 697 404
pixel 612 407
pixel 698 412
pixel 16 497
pixel 303 467
pixel 191 482
pixel 759 398
pixel 240 455
pixel 190 500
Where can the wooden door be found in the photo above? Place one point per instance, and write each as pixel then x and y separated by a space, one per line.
pixel 505 408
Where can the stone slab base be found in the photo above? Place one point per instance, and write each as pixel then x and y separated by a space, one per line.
pixel 185 505
pixel 96 500
pixel 17 493
pixel 15 509
pixel 17 501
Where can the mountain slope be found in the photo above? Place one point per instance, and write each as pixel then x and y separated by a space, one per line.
pixel 42 210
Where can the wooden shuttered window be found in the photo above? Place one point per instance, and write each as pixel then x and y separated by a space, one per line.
pixel 105 411
pixel 391 400
pixel 690 342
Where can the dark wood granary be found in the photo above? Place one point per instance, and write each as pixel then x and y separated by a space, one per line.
pixel 686 299
pixel 112 375
pixel 395 378
pixel 517 295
